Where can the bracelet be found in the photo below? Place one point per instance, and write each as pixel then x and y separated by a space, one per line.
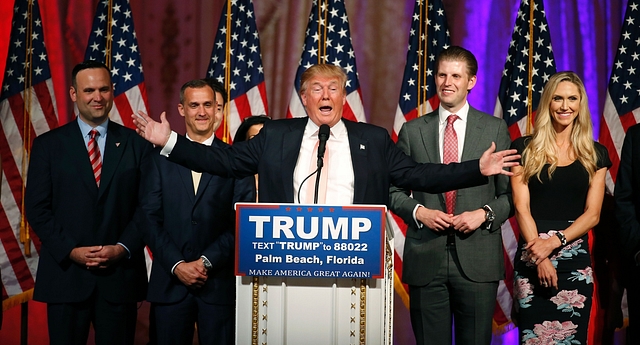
pixel 562 237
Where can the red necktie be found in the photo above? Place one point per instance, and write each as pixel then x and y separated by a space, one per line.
pixel 450 155
pixel 94 155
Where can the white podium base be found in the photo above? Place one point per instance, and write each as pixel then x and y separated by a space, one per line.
pixel 310 311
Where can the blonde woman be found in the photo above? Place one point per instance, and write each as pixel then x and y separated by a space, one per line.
pixel 557 192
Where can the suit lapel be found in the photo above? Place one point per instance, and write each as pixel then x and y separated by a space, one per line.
pixel 187 181
pixel 429 135
pixel 358 146
pixel 474 130
pixel 291 142
pixel 78 150
pixel 114 147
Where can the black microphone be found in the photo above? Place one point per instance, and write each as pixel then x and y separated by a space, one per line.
pixel 323 136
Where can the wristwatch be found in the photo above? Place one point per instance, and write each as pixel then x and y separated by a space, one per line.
pixel 207 264
pixel 489 215
pixel 562 237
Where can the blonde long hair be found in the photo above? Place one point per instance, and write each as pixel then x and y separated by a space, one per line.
pixel 542 148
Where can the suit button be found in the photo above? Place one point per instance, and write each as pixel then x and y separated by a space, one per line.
pixel 193 222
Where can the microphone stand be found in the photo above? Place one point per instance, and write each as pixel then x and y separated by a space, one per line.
pixel 317 186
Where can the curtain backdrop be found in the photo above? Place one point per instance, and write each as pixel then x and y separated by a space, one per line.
pixel 176 42
pixel 176 39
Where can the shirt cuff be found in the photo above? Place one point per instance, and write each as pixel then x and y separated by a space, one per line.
pixel 415 219
pixel 168 147
pixel 125 248
pixel 176 265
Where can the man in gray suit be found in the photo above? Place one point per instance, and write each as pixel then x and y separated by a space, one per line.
pixel 453 258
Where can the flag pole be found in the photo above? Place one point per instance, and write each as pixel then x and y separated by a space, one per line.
pixel 420 96
pixel 26 125
pixel 227 75
pixel 107 48
pixel 530 72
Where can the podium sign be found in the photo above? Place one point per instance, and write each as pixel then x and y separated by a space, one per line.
pixel 314 241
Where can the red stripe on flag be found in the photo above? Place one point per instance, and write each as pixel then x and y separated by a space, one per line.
pixel 262 88
pixel 13 248
pixel 124 109
pixel 514 131
pixel 606 140
pixel 46 103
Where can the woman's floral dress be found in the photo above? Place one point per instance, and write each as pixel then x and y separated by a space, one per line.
pixel 546 315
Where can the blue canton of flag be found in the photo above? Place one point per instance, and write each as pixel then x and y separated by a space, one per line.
pixel 513 94
pixel 622 106
pixel 27 109
pixel 328 40
pixel 429 35
pixel 246 86
pixel 113 41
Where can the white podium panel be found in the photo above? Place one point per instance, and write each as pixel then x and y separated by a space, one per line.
pixel 310 311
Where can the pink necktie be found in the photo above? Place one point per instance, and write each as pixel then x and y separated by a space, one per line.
pixel 450 155
pixel 322 188
pixel 94 155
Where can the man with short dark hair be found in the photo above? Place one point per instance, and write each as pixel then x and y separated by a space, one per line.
pixel 453 257
pixel 80 200
pixel 189 226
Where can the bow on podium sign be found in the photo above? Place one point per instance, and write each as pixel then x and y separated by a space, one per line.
pixel 314 241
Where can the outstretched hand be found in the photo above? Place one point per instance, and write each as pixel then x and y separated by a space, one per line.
pixel 493 163
pixel 155 132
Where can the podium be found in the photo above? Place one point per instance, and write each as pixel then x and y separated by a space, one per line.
pixel 313 274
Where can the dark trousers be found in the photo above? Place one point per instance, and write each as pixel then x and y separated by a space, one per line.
pixel 452 298
pixel 114 323
pixel 633 303
pixel 175 322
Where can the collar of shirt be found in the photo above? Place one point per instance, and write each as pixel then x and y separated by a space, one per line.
pixel 207 142
pixel 339 130
pixel 460 127
pixel 85 128
pixel 443 114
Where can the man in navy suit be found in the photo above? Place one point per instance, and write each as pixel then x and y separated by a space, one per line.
pixel 189 226
pixel 363 160
pixel 91 268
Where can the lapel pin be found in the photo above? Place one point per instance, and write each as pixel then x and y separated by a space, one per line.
pixel 362 147
pixel 117 144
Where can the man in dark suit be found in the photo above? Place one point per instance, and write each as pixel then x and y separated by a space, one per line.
pixel 80 200
pixel 189 226
pixel 453 257
pixel 364 160
pixel 627 210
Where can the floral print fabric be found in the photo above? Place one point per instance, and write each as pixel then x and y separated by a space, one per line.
pixel 549 316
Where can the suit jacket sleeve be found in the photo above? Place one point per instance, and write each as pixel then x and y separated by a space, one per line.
pixel 39 203
pixel 151 216
pixel 238 162
pixel 502 205
pixel 400 201
pixel 627 193
pixel 220 251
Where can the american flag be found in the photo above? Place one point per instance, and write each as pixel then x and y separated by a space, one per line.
pixel 429 35
pixel 530 56
pixel 237 36
pixel 622 105
pixel 328 41
pixel 113 41
pixel 27 109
